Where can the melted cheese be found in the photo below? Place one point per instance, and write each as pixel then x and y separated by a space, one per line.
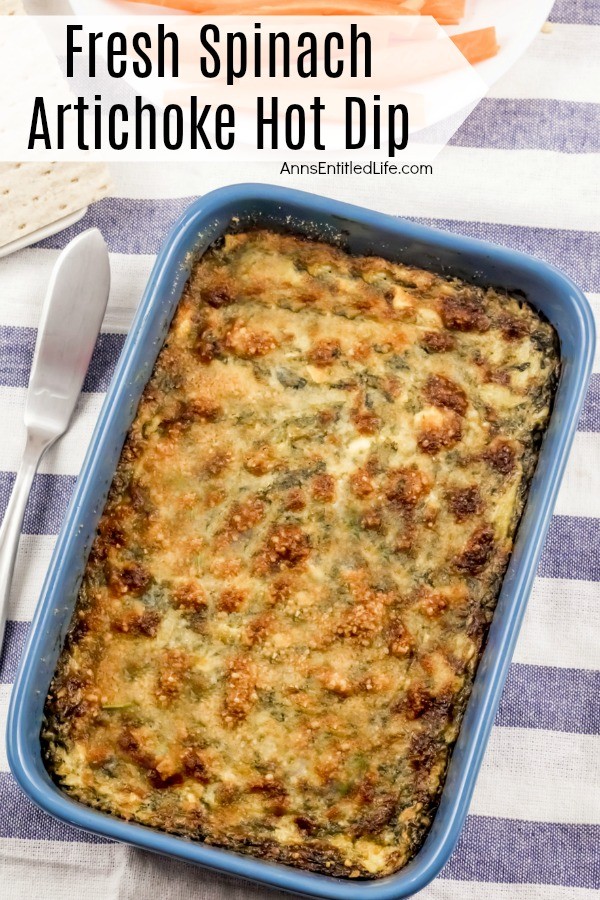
pixel 284 607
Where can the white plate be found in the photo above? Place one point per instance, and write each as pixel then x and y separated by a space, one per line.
pixel 517 23
pixel 448 99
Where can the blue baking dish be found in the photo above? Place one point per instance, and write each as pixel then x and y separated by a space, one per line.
pixel 360 231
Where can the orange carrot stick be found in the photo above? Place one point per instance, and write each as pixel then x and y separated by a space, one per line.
pixel 446 12
pixel 309 8
pixel 412 7
pixel 292 8
pixel 192 6
pixel 477 45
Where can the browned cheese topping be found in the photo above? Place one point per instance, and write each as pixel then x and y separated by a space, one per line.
pixel 286 601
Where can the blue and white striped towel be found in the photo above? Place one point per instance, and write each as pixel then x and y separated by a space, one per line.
pixel 522 171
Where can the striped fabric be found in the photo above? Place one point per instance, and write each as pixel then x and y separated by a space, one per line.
pixel 522 171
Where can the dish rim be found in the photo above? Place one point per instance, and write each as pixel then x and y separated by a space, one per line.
pixel 24 753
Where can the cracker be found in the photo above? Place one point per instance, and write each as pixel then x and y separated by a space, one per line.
pixel 34 194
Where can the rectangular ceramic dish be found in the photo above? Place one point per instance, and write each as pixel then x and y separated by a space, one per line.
pixel 362 232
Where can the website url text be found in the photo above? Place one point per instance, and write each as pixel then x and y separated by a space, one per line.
pixel 383 167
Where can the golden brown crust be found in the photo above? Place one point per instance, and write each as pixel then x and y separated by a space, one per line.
pixel 287 597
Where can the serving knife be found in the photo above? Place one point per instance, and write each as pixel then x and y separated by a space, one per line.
pixel 71 317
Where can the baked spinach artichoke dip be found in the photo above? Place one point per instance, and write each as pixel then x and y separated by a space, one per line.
pixel 292 580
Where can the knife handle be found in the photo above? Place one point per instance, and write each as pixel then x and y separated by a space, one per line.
pixel 35 447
